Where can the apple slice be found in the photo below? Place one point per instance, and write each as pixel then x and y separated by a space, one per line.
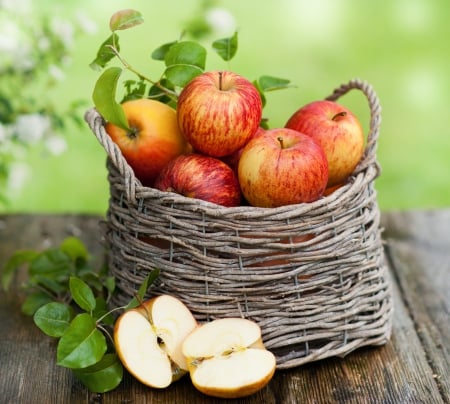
pixel 148 340
pixel 227 358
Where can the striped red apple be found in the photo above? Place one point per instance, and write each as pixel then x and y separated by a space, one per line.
pixel 218 112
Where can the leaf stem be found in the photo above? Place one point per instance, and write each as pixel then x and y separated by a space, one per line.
pixel 106 332
pixel 129 67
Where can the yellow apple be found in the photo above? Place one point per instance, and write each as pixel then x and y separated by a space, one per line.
pixel 154 138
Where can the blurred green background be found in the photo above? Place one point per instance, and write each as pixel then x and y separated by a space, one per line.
pixel 399 46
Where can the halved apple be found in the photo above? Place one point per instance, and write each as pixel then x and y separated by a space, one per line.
pixel 227 358
pixel 148 340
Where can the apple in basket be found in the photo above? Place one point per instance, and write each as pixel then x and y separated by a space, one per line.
pixel 227 358
pixel 154 138
pixel 201 177
pixel 282 167
pixel 218 111
pixel 337 130
pixel 148 340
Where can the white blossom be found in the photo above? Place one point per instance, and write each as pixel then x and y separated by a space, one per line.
pixel 2 133
pixel 18 6
pixel 15 49
pixel 221 21
pixel 19 174
pixel 88 25
pixel 43 44
pixel 31 128
pixel 56 145
pixel 64 30
pixel 56 72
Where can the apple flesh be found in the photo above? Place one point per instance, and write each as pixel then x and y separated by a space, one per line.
pixel 339 133
pixel 148 340
pixel 282 167
pixel 227 358
pixel 218 111
pixel 154 138
pixel 201 177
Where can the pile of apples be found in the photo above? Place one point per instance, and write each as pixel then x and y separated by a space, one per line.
pixel 160 341
pixel 213 147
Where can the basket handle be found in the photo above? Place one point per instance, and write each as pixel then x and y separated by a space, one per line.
pixel 96 123
pixel 369 157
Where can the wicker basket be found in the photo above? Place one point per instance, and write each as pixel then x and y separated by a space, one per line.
pixel 313 276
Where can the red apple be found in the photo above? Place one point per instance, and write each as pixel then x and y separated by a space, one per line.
pixel 201 177
pixel 154 139
pixel 337 130
pixel 282 167
pixel 218 112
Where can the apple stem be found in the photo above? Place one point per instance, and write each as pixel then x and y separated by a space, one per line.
pixel 339 115
pixel 280 139
pixel 220 80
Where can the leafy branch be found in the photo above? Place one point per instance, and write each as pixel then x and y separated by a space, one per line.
pixel 68 300
pixel 183 60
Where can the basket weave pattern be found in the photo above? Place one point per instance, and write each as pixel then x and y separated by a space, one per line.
pixel 313 276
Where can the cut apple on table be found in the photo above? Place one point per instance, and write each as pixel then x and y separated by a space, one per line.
pixel 226 358
pixel 148 340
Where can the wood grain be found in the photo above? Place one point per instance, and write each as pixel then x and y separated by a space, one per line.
pixel 412 368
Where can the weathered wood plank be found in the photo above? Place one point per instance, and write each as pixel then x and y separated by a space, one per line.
pixel 419 249
pixel 411 368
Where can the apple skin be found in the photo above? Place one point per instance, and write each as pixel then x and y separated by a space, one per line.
pixel 273 173
pixel 218 112
pixel 233 159
pixel 155 138
pixel 337 130
pixel 202 177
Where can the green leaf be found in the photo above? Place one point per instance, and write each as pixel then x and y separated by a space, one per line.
pixel 104 97
pixel 53 318
pixel 74 248
pixel 226 47
pixel 19 258
pixel 51 270
pixel 88 275
pixel 110 284
pixel 261 92
pixel 184 61
pixel 134 90
pixel 82 294
pixel 161 52
pixel 105 53
pixel 125 19
pixel 53 286
pixel 101 312
pixel 82 344
pixel 140 294
pixel 104 376
pixel 52 263
pixel 270 83
pixel 156 93
pixel 34 301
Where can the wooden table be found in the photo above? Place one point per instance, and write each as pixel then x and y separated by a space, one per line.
pixel 414 367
